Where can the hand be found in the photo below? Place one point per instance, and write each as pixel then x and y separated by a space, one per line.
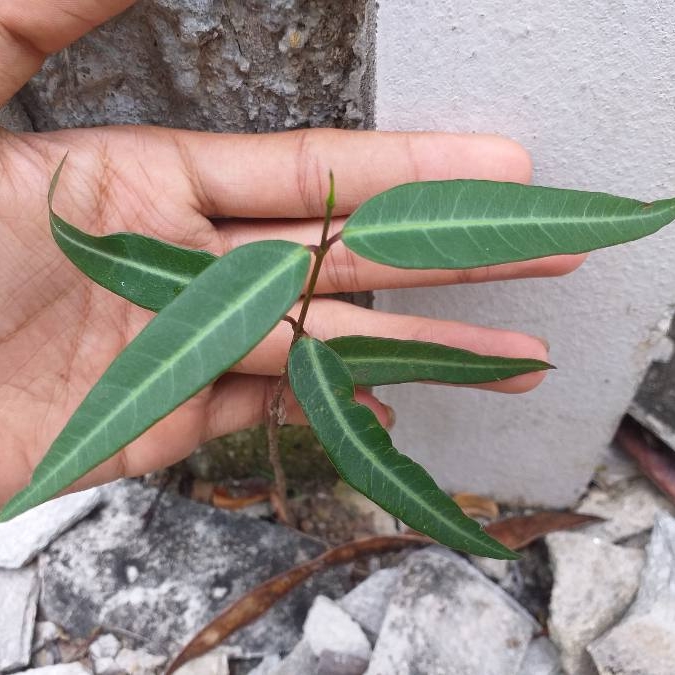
pixel 59 332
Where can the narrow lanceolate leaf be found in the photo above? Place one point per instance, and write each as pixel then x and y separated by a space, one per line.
pixel 465 223
pixel 364 456
pixel 146 271
pixel 219 317
pixel 373 361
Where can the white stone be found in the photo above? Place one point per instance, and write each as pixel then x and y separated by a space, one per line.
pixel 643 643
pixel 594 582
pixel 330 628
pixel 212 663
pixel 593 112
pixel 383 522
pixel 19 591
pixel 45 632
pixel 105 646
pixel 615 467
pixel 106 665
pixel 627 510
pixel 497 570
pixel 541 658
pixel 339 663
pixel 367 603
pixel 138 662
pixel 301 661
pixel 23 537
pixel 60 669
pixel 444 611
pixel 268 666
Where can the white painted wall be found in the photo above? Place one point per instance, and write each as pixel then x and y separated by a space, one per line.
pixel 589 88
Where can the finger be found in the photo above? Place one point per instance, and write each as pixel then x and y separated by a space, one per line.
pixel 286 175
pixel 332 318
pixel 183 224
pixel 29 31
pixel 254 395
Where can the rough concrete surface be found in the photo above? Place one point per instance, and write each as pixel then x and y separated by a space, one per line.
pixel 438 608
pixel 587 87
pixel 61 669
pixel 644 642
pixel 594 583
pixel 228 65
pixel 367 603
pixel 627 510
pixel 328 628
pixel 164 581
pixel 541 658
pixel 14 118
pixel 23 537
pixel 19 591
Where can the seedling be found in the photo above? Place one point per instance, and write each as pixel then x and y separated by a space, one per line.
pixel 213 311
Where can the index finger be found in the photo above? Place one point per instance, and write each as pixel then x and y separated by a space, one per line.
pixel 285 175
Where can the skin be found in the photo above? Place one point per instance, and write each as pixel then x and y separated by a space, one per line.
pixel 59 332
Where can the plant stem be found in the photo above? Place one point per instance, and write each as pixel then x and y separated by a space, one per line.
pixel 277 413
pixel 275 421
pixel 319 255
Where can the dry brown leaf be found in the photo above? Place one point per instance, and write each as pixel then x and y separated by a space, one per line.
pixel 257 601
pixel 477 506
pixel 223 499
pixel 202 491
pixel 655 459
pixel 519 531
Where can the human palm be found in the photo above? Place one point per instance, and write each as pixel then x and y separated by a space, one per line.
pixel 59 331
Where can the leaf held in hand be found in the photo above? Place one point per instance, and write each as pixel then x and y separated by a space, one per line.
pixel 218 319
pixel 460 224
pixel 146 271
pixel 364 456
pixel 375 361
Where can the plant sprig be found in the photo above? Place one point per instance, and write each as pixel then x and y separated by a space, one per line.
pixel 211 312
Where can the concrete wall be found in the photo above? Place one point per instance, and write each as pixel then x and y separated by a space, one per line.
pixel 589 89
pixel 238 65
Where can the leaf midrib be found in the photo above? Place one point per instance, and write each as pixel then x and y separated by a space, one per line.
pixel 160 272
pixel 423 362
pixel 138 391
pixel 364 448
pixel 443 223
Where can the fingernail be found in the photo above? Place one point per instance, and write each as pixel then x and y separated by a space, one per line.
pixel 544 341
pixel 391 416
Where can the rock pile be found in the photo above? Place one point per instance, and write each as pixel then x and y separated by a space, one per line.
pixel 124 581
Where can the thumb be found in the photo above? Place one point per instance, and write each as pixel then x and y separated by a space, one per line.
pixel 30 31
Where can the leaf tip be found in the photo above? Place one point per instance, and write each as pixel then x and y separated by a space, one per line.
pixel 9 512
pixel 55 180
pixel 330 200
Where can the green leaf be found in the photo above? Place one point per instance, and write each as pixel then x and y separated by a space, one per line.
pixel 219 317
pixel 460 224
pixel 374 361
pixel 364 456
pixel 146 271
